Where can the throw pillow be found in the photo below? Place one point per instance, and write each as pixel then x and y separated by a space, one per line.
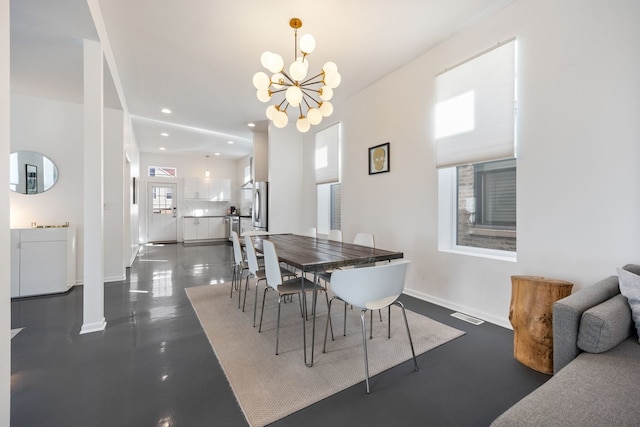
pixel 630 288
pixel 605 326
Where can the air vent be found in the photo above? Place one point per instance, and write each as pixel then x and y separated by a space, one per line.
pixel 467 318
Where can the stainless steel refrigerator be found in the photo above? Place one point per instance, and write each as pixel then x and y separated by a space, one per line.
pixel 261 206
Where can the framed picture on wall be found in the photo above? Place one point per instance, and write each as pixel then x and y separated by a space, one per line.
pixel 379 158
pixel 31 173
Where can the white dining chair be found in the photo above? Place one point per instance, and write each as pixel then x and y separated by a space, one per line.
pixel 310 232
pixel 239 266
pixel 283 288
pixel 364 239
pixel 257 272
pixel 335 235
pixel 371 288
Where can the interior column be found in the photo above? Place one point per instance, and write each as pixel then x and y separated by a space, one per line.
pixel 93 297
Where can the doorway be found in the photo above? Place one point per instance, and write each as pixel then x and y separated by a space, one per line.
pixel 163 225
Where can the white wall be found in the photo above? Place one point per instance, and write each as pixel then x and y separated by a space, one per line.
pixel 5 304
pixel 114 185
pixel 285 180
pixel 54 128
pixel 578 133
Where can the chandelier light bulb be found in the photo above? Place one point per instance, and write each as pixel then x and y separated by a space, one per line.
pixel 326 109
pixel 264 59
pixel 280 119
pixel 294 96
pixel 263 95
pixel 326 93
pixel 298 70
pixel 332 79
pixel 303 124
pixel 261 80
pixel 314 116
pixel 271 111
pixel 330 67
pixel 276 63
pixel 307 44
pixel 277 80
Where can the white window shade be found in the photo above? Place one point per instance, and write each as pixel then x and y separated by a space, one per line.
pixel 328 155
pixel 475 104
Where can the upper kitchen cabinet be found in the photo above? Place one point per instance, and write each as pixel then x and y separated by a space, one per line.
pixel 216 190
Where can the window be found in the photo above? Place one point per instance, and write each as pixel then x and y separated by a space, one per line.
pixel 327 163
pixel 162 171
pixel 486 205
pixel 162 200
pixel 475 154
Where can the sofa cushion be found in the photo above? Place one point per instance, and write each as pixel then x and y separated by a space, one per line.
pixel 605 325
pixel 630 288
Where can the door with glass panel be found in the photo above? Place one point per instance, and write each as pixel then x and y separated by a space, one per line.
pixel 163 225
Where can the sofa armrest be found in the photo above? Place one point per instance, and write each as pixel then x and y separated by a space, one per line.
pixel 567 313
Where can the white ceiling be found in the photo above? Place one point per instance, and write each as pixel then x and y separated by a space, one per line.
pixel 198 57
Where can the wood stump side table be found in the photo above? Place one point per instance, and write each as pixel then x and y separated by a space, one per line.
pixel 530 314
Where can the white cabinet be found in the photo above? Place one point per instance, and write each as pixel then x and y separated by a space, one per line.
pixel 195 228
pixel 43 260
pixel 203 228
pixel 217 228
pixel 215 190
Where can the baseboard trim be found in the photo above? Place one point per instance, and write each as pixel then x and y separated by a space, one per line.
pixel 88 328
pixel 461 308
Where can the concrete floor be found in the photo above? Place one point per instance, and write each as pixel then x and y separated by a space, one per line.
pixel 153 365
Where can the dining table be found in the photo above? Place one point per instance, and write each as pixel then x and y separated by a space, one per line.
pixel 312 255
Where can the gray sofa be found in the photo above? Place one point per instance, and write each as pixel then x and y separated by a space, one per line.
pixel 596 360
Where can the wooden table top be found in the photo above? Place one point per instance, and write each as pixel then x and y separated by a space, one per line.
pixel 315 254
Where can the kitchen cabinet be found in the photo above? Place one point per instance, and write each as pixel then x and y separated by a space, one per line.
pixel 217 228
pixel 195 228
pixel 216 190
pixel 43 260
pixel 203 228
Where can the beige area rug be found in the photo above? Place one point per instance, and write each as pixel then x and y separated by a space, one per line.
pixel 270 387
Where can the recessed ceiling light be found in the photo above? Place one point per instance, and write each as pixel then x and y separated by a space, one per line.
pixel 251 125
pixel 164 134
pixel 162 148
pixel 166 111
pixel 230 142
pixel 216 154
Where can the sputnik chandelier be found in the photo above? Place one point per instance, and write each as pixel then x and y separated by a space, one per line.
pixel 308 97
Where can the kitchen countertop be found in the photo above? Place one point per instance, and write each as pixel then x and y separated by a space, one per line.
pixel 205 216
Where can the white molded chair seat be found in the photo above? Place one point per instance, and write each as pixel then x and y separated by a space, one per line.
pixel 288 287
pixel 371 288
pixel 310 232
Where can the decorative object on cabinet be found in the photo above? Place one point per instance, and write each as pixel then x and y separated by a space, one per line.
pixel 31 172
pixel 379 158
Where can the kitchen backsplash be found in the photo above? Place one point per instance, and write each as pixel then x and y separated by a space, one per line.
pixel 193 207
pixel 204 208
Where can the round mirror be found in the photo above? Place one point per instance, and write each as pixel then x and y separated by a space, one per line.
pixel 31 172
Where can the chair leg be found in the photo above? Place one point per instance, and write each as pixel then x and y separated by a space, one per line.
pixel 389 321
pixel 233 280
pixel 344 324
pixel 246 288
pixel 404 314
pixel 262 311
pixel 364 346
pixel 255 304
pixel 278 325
